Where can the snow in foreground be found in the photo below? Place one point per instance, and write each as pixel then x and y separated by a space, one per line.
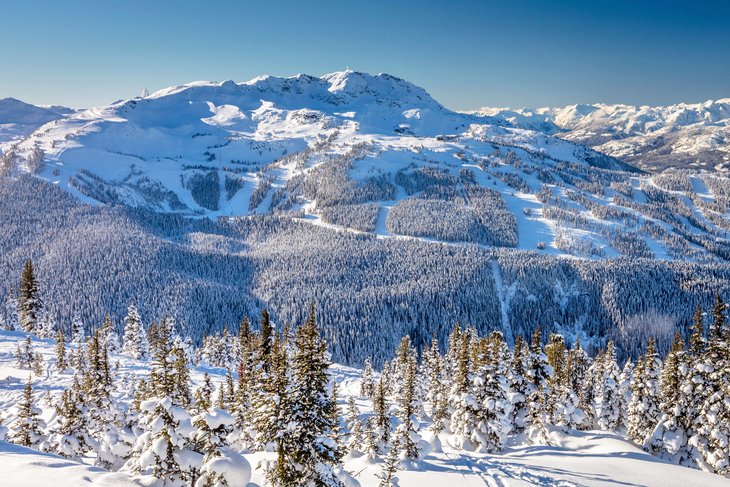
pixel 576 458
pixel 581 459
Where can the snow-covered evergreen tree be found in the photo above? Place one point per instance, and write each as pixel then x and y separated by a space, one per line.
pixel 30 305
pixel 69 433
pixel 78 333
pixel 162 449
pixel 607 399
pixel 28 426
pixel 644 409
pixel 135 343
pixel 311 453
pixel 60 349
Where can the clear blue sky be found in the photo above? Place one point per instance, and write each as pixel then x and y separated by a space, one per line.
pixel 465 53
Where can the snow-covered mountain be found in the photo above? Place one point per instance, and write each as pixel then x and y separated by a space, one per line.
pixel 361 193
pixel 653 138
pixel 347 148
pixel 19 119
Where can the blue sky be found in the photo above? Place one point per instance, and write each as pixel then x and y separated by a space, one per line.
pixel 465 53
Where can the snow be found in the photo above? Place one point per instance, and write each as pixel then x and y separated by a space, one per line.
pixel 673 135
pixel 575 458
pixel 23 467
pixel 232 466
pixel 144 151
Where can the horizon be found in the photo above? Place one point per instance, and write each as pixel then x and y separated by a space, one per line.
pixel 472 55
pixel 508 107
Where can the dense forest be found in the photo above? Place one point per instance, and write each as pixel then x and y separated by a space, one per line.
pixel 279 395
pixel 96 260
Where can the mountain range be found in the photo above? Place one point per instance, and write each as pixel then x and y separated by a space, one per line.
pixel 363 193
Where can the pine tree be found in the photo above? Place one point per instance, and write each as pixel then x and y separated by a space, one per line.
pixel 78 334
pixel 697 338
pixel 45 328
pixel 408 437
pixel 69 434
pixel 390 466
pixel 314 456
pixel 670 436
pixel 28 427
pixel 135 339
pixel 212 429
pixel 537 371
pixel 625 380
pixel 265 341
pixel 243 403
pixel 607 398
pixel 203 395
pixel 644 407
pixel 181 378
pixel 379 425
pixel 96 384
pixel 354 426
pixel 61 362
pixel 709 403
pixel 24 354
pixel 12 319
pixel 272 402
pixel 37 364
pixel 366 381
pixel 518 384
pixel 537 420
pixel 162 380
pixel 164 439
pixel 30 305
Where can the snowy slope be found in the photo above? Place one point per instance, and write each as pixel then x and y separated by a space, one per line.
pixel 682 135
pixel 376 154
pixel 24 467
pixel 576 458
pixel 19 119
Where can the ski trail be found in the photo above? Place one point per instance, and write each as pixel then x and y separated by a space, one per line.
pixel 506 328
pixel 381 229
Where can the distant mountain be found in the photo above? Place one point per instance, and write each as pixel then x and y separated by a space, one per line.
pixel 377 154
pixel 689 136
pixel 208 201
pixel 18 119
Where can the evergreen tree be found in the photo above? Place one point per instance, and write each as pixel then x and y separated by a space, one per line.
pixel 69 435
pixel 518 384
pixel 164 439
pixel 273 404
pixel 61 362
pixel 644 407
pixel 30 305
pixel 266 333
pixel 379 425
pixel 408 436
pixel 78 334
pixel 354 426
pixel 625 380
pixel 24 354
pixel 135 342
pixel 607 398
pixel 366 381
pixel 212 429
pixel 670 436
pixel 697 338
pixel 203 395
pixel 28 427
pixel 314 456
pixel 537 420
pixel 181 377
pixel 390 466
